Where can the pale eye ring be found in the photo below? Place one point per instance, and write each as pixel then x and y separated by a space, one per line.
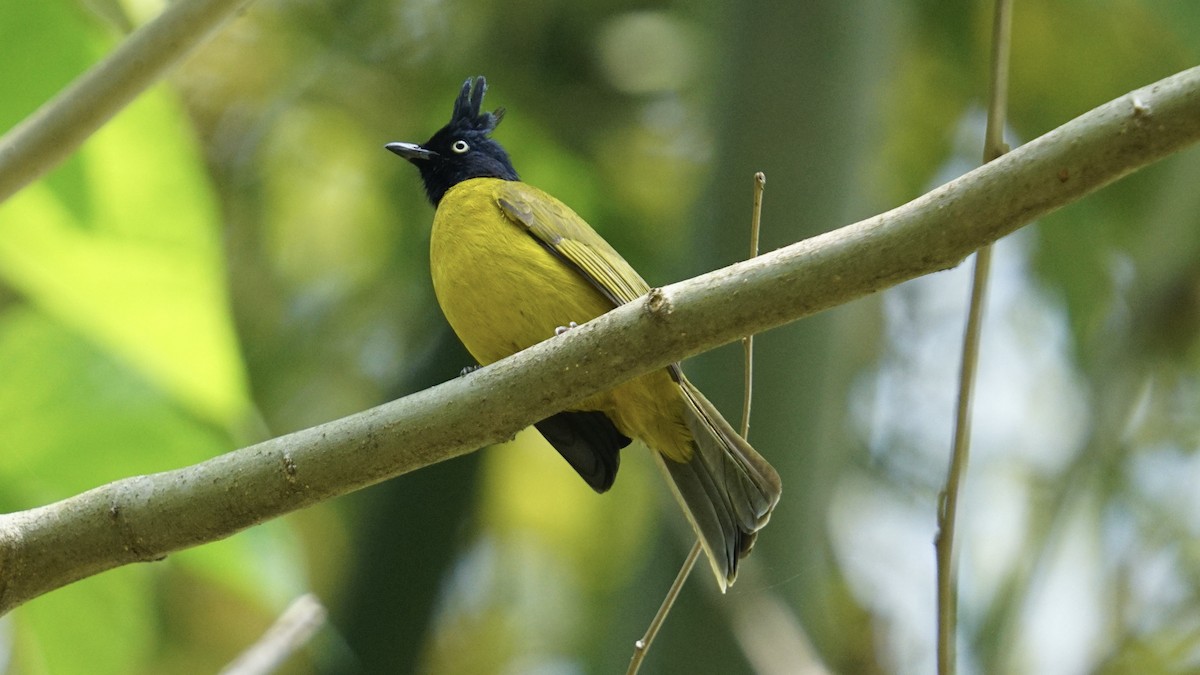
pixel 460 146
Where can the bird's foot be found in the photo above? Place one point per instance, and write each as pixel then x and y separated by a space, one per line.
pixel 468 370
pixel 562 329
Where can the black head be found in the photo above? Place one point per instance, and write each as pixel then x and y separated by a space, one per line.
pixel 462 149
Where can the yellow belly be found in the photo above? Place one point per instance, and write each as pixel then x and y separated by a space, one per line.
pixel 502 291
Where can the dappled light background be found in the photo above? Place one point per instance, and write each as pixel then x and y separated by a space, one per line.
pixel 236 257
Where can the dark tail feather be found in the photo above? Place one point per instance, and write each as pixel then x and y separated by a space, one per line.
pixel 727 489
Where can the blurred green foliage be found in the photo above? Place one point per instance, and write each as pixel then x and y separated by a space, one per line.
pixel 235 256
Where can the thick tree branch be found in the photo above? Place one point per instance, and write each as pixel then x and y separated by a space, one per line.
pixel 147 517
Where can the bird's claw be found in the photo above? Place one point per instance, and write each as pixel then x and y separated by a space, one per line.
pixel 468 370
pixel 562 329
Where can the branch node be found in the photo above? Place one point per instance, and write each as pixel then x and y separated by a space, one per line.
pixel 658 305
pixel 128 536
pixel 289 467
pixel 1141 110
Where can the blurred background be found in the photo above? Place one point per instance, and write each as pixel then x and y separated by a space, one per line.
pixel 235 257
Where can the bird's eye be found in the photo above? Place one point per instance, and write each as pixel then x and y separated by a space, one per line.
pixel 460 147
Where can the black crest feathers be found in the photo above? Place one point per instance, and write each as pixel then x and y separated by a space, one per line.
pixel 467 113
pixel 461 150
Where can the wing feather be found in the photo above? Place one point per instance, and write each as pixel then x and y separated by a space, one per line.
pixel 568 237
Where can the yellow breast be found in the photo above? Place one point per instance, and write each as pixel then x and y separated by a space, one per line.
pixel 499 288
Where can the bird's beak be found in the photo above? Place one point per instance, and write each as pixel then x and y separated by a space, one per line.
pixel 410 151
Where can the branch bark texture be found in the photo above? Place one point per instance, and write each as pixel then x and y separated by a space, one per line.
pixel 147 517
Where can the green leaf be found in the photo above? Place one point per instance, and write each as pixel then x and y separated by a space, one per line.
pixel 105 624
pixel 72 417
pixel 130 256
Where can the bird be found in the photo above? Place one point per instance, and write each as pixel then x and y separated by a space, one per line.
pixel 513 266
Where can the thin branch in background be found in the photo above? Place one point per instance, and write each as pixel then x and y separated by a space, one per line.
pixel 642 646
pixel 291 631
pixel 947 555
pixel 61 125
pixel 772 638
pixel 760 183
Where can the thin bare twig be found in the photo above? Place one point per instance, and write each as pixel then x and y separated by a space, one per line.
pixel 760 183
pixel 291 631
pixel 642 647
pixel 49 135
pixel 772 638
pixel 947 555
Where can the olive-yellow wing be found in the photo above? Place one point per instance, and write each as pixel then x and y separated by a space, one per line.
pixel 727 490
